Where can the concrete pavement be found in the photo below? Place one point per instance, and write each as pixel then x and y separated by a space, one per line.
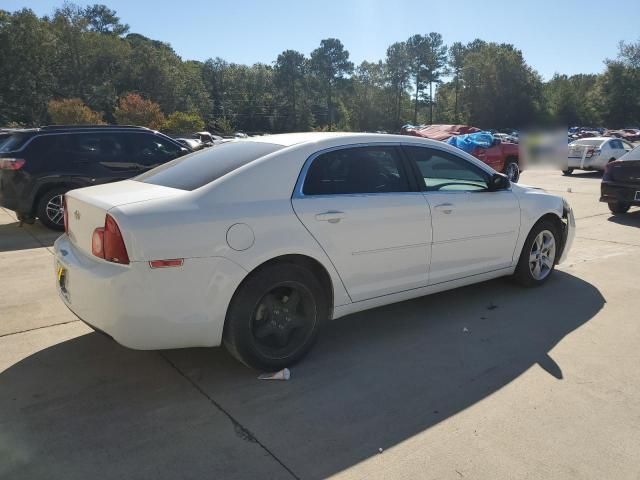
pixel 489 381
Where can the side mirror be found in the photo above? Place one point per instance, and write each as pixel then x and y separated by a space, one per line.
pixel 499 182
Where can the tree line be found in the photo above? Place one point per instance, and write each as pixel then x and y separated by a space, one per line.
pixel 83 65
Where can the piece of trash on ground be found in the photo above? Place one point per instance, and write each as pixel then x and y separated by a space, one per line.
pixel 380 450
pixel 284 374
pixel 465 330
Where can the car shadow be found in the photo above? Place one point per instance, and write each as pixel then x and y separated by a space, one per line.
pixel 586 174
pixel 374 379
pixel 630 219
pixel 14 236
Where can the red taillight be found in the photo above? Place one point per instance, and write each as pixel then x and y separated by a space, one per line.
pixel 11 163
pixel 108 243
pixel 65 214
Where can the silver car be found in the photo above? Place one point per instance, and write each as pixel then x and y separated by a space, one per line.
pixel 594 153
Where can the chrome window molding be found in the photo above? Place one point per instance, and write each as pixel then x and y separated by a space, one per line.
pixel 298 193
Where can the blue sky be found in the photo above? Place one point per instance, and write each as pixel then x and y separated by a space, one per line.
pixel 555 36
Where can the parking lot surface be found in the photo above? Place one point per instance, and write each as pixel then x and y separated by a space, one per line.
pixel 488 381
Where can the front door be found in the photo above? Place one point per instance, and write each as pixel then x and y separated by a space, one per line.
pixel 357 203
pixel 474 230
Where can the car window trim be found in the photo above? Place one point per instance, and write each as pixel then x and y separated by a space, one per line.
pixel 298 193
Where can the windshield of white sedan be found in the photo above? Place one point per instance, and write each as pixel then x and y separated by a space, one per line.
pixel 203 167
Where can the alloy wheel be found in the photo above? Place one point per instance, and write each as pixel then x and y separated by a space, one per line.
pixel 543 255
pixel 55 210
pixel 513 172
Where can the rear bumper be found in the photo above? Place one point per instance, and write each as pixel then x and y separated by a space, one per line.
pixel 146 308
pixel 611 192
pixel 592 163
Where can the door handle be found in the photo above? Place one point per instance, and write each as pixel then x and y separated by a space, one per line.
pixel 445 207
pixel 332 216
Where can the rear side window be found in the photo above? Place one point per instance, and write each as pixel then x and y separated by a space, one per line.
pixel 356 170
pixel 14 142
pixel 203 167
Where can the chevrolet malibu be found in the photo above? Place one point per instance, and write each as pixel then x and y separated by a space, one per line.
pixel 256 243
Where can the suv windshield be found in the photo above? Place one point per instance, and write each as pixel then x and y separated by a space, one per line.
pixel 203 167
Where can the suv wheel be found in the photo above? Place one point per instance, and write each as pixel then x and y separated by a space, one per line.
pixel 274 317
pixel 50 209
pixel 619 207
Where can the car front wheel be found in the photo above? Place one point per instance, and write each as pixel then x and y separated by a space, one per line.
pixel 567 172
pixel 538 258
pixel 275 316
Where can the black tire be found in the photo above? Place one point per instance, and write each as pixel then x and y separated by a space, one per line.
pixel 619 207
pixel 512 170
pixel 44 211
pixel 567 172
pixel 256 323
pixel 523 274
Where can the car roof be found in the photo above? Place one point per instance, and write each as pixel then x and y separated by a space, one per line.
pixel 290 139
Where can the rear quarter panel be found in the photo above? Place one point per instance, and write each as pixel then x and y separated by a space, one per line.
pixel 197 224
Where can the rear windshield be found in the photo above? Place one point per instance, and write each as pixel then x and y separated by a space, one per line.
pixel 203 167
pixel 14 142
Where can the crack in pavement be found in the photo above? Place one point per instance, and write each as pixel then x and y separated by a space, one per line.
pixel 37 328
pixel 240 429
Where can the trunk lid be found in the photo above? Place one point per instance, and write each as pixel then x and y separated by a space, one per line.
pixel 88 207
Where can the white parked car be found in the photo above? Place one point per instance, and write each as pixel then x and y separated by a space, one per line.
pixel 256 243
pixel 594 153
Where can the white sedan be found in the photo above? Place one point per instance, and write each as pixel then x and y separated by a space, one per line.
pixel 257 242
pixel 594 153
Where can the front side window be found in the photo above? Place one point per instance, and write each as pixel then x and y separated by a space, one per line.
pixel 356 170
pixel 151 150
pixel 443 171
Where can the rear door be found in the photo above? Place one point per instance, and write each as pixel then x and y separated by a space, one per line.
pixel 358 204
pixel 105 156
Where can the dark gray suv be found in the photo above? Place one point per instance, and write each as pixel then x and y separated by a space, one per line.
pixel 38 166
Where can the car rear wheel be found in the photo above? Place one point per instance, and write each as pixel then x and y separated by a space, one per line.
pixel 619 207
pixel 567 172
pixel 538 258
pixel 275 316
pixel 512 170
pixel 50 209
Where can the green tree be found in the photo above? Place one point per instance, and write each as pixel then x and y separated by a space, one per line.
pixel 330 63
pixel 417 50
pixel 398 68
pixel 434 63
pixel 72 111
pixel 289 76
pixel 456 62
